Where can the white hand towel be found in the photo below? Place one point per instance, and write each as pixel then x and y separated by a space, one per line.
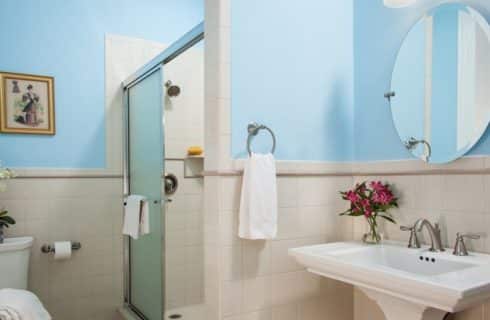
pixel 258 204
pixel 21 305
pixel 144 218
pixel 136 217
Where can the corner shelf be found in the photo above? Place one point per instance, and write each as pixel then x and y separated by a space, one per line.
pixel 193 166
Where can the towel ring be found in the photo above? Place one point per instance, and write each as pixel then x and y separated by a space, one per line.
pixel 253 129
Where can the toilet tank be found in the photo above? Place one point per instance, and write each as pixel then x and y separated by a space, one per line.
pixel 14 262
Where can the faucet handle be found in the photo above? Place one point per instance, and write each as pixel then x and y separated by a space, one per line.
pixel 413 241
pixel 460 246
pixel 472 236
pixel 405 228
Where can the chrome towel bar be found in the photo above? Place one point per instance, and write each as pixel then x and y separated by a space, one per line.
pixel 162 201
pixel 253 129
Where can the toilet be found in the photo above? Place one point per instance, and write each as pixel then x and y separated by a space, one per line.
pixel 14 262
pixel 14 269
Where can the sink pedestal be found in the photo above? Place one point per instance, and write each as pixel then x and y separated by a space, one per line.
pixel 398 309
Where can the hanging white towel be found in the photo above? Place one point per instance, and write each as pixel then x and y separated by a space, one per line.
pixel 136 216
pixel 258 204
pixel 144 218
pixel 21 305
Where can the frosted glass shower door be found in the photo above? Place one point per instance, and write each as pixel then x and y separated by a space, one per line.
pixel 146 165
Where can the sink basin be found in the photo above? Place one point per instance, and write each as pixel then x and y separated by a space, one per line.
pixel 406 283
pixel 391 258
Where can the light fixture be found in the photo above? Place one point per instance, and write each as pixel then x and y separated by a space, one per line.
pixel 398 3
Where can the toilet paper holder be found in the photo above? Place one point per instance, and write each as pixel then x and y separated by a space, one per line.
pixel 49 248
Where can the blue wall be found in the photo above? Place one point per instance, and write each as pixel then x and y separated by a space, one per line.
pixel 292 69
pixel 299 67
pixel 65 39
pixel 378 33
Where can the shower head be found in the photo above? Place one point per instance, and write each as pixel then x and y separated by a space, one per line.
pixel 172 90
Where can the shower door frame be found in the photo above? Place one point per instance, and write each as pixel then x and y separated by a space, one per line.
pixel 188 40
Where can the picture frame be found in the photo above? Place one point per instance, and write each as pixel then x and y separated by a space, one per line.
pixel 27 104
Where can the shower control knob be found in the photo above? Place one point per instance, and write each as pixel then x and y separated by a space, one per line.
pixel 171 183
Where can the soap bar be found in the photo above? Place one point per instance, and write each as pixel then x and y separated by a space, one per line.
pixel 194 151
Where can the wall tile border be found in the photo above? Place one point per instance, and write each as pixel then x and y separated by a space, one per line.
pixel 468 165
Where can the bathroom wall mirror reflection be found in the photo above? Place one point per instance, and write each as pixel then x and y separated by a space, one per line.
pixel 441 77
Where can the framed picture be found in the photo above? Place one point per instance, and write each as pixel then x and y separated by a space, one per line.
pixel 26 104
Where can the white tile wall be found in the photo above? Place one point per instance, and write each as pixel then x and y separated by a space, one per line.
pixel 184 241
pixel 184 115
pixel 89 285
pixel 257 279
pixel 184 127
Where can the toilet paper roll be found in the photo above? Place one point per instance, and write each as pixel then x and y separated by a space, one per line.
pixel 62 250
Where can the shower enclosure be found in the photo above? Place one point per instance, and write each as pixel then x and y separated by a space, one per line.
pixel 146 100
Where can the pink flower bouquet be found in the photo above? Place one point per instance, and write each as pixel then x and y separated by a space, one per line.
pixel 371 200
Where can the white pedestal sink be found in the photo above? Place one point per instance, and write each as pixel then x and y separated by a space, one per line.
pixel 408 284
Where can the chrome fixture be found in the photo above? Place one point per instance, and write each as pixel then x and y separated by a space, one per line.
pixel 49 248
pixel 413 241
pixel 389 95
pixel 412 143
pixel 434 233
pixel 253 129
pixel 460 247
pixel 398 3
pixel 171 183
pixel 163 201
pixel 172 90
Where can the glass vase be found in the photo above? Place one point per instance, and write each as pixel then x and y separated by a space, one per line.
pixel 373 236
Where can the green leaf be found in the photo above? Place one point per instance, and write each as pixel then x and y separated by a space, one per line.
pixel 388 218
pixel 7 219
pixel 344 213
pixel 356 214
pixel 4 212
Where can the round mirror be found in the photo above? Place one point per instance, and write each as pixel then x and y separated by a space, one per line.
pixel 440 88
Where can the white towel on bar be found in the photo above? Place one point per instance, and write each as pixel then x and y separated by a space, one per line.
pixel 258 204
pixel 21 305
pixel 136 216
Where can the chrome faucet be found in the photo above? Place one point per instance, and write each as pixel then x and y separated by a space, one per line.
pixel 434 233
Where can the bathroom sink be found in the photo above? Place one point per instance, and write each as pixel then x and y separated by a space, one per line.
pixel 406 283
